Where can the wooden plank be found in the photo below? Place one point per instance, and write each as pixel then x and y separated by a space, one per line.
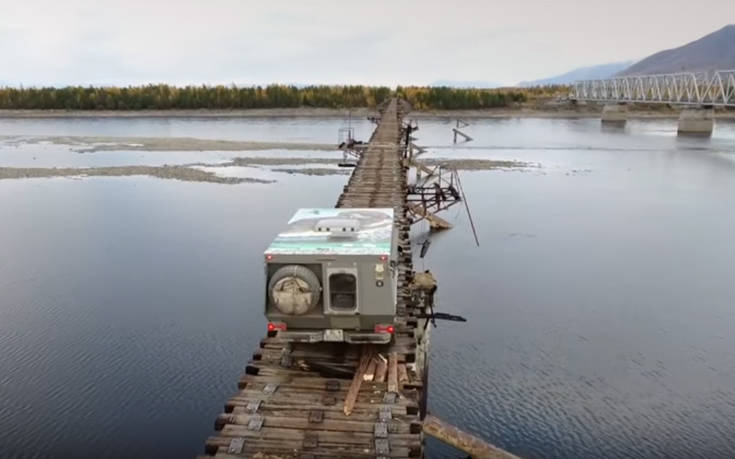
pixel 402 373
pixel 381 369
pixel 277 433
pixel 258 383
pixel 366 423
pixel 279 449
pixel 321 447
pixel 354 389
pixel 330 413
pixel 434 221
pixel 370 372
pixel 306 398
pixel 369 409
pixel 463 441
pixel 393 372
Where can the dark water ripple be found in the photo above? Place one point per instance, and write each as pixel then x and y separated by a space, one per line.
pixel 124 330
pixel 546 411
pixel 128 307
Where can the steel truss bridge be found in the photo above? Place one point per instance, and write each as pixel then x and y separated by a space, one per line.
pixel 698 89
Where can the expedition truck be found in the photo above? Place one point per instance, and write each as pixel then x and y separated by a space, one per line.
pixel 331 276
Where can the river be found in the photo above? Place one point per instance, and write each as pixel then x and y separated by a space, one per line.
pixel 601 300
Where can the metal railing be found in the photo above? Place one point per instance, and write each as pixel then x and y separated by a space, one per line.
pixel 705 88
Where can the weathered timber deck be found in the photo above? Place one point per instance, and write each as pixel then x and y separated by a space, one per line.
pixel 286 408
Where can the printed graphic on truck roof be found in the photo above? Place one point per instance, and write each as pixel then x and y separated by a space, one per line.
pixel 336 232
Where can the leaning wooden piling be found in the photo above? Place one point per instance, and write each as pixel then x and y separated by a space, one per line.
pixel 470 444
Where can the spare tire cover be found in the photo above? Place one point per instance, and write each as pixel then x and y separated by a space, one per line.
pixel 294 290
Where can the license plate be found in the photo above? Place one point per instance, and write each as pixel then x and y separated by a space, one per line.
pixel 334 335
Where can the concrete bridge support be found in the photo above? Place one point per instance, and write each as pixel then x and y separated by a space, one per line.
pixel 614 114
pixel 696 121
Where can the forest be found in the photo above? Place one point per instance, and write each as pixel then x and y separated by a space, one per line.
pixel 167 97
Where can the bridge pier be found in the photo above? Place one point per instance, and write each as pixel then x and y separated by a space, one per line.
pixel 614 114
pixel 696 121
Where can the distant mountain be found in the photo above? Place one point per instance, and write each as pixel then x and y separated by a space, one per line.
pixel 465 84
pixel 715 51
pixel 582 73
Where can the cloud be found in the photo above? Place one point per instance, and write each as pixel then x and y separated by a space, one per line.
pixel 379 42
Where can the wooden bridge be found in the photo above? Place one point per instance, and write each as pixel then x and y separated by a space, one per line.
pixel 330 400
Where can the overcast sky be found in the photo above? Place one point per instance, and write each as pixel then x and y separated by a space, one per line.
pixel 124 42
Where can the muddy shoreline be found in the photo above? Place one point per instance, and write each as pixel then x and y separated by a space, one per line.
pixel 93 144
pixel 194 173
pixel 183 173
pixel 204 171
pixel 462 164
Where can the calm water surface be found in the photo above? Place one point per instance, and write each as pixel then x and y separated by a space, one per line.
pixel 601 301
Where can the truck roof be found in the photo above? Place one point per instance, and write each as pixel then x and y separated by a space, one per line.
pixel 333 231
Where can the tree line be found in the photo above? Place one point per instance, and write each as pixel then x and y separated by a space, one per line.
pixel 166 97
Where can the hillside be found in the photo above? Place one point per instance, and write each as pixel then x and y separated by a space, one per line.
pixel 582 73
pixel 715 51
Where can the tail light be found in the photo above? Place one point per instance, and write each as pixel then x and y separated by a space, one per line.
pixel 273 326
pixel 383 328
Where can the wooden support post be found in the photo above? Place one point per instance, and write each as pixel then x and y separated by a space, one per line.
pixel 474 446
